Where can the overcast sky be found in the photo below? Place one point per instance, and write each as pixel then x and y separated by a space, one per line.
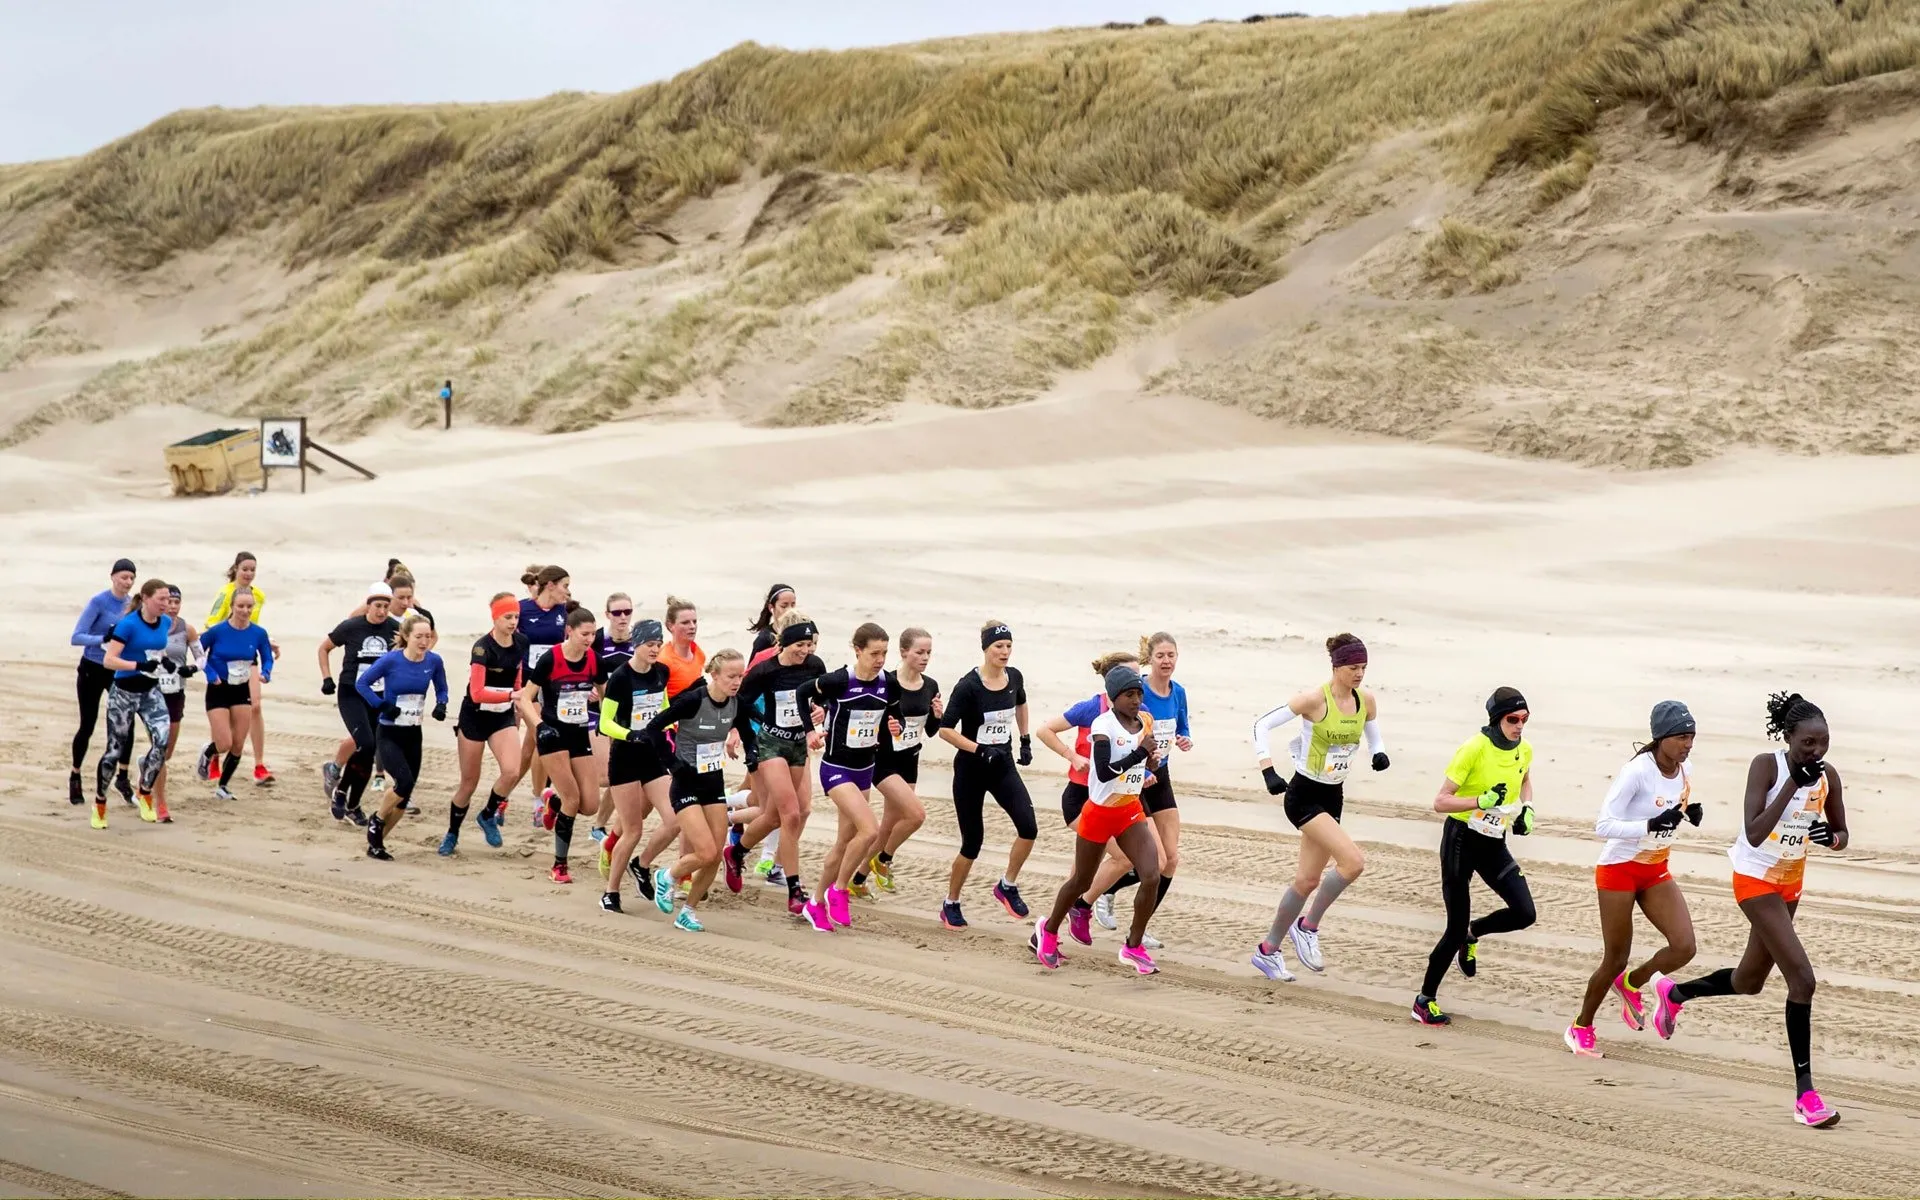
pixel 78 73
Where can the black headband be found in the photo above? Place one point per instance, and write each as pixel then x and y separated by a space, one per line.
pixel 799 631
pixel 995 633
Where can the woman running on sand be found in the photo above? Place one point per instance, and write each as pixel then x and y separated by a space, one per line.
pixel 558 700
pixel 1649 798
pixel 777 758
pixel 1335 720
pixel 896 772
pixel 182 648
pixel 487 722
pixel 859 712
pixel 637 780
pixel 240 578
pixel 612 647
pixel 543 622
pixel 400 581
pixel 1486 793
pixel 365 639
pixel 1125 755
pixel 685 661
pixel 92 678
pixel 988 704
pixel 135 650
pixel 705 720
pixel 1166 702
pixel 1793 799
pixel 405 673
pixel 766 635
pixel 239 653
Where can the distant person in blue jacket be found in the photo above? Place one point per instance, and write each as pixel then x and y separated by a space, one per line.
pixel 407 672
pixel 93 678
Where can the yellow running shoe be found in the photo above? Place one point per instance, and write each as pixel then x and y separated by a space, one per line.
pixel 145 803
pixel 882 873
pixel 862 890
pixel 606 859
pixel 99 820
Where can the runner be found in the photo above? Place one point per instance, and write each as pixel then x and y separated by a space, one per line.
pixel 1166 702
pixel 1487 793
pixel 92 678
pixel 135 650
pixel 543 622
pixel 1334 721
pixel 685 661
pixel 400 581
pixel 395 690
pixel 612 647
pixel 1649 798
pixel 766 636
pixel 988 703
pixel 707 730
pixel 637 781
pixel 777 758
pixel 364 639
pixel 858 704
pixel 182 648
pixel 237 651
pixel 240 577
pixel 558 700
pixel 1793 798
pixel 1125 755
pixel 920 710
pixel 487 722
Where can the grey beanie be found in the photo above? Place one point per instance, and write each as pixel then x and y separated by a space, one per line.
pixel 1670 719
pixel 1123 679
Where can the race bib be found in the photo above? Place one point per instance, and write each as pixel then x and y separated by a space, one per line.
pixel 996 728
pixel 410 708
pixel 571 707
pixel 1163 742
pixel 863 728
pixel 1790 836
pixel 1492 822
pixel 647 706
pixel 495 706
pixel 170 682
pixel 1340 759
pixel 786 709
pixel 535 653
pixel 912 730
pixel 239 672
pixel 708 756
pixel 1134 781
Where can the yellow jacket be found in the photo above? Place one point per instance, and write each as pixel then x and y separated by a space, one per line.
pixel 223 603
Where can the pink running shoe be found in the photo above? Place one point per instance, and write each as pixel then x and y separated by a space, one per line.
pixel 1810 1110
pixel 1135 957
pixel 736 874
pixel 1666 1010
pixel 1046 946
pixel 1080 924
pixel 839 906
pixel 1632 1011
pixel 1580 1040
pixel 816 914
pixel 797 904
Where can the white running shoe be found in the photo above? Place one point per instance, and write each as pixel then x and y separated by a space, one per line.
pixel 1271 965
pixel 1103 912
pixel 1150 942
pixel 1306 946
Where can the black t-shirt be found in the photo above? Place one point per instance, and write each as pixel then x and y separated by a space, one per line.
pixel 915 710
pixel 986 716
pixel 363 642
pixel 771 692
pixel 612 655
pixel 638 696
pixel 500 663
pixel 566 689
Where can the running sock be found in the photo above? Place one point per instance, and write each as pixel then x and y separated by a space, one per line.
pixel 794 888
pixel 1130 879
pixel 1800 1043
pixel 562 837
pixel 492 809
pixel 1331 885
pixel 227 767
pixel 1166 881
pixel 456 817
pixel 1716 983
pixel 1288 911
pixel 884 857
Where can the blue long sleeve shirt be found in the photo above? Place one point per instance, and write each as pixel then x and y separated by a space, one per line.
pixel 226 645
pixel 96 621
pixel 405 679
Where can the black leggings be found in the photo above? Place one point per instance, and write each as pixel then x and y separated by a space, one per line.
pixel 359 720
pixel 1464 854
pixel 91 682
pixel 971 784
pixel 399 751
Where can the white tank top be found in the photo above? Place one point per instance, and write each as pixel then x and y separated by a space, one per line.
pixel 1781 858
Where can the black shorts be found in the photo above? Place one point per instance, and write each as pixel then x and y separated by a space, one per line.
pixel 176 706
pixel 1157 797
pixel 692 788
pixel 906 766
pixel 227 695
pixel 1073 798
pixel 634 762
pixel 478 725
pixel 1308 798
pixel 570 740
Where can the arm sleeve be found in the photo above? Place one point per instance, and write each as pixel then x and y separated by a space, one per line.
pixel 375 673
pixel 610 725
pixel 1019 687
pixel 1106 768
pixel 478 690
pixel 1180 717
pixel 1613 822
pixel 263 641
pixel 1264 726
pixel 206 638
pixel 1375 743
pixel 679 708
pixel 439 677
pixel 81 636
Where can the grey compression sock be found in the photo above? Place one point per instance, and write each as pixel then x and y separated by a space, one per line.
pixel 1291 903
pixel 1331 885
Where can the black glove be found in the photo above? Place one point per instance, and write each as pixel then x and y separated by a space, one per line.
pixel 1275 784
pixel 1026 750
pixel 188 671
pixel 1806 774
pixel 1380 762
pixel 637 734
pixel 148 666
pixel 1820 833
pixel 169 664
pixel 993 756
pixel 1667 821
pixel 1523 824
pixel 326 686
pixel 1499 793
pixel 440 711
pixel 390 710
pixel 1695 812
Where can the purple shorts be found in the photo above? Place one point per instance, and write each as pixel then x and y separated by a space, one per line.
pixel 832 777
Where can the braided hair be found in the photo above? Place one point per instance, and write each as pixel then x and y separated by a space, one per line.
pixel 1785 712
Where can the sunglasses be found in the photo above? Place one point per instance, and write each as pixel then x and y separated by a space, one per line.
pixel 619 612
pixel 1514 719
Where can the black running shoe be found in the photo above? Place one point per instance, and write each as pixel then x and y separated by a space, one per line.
pixel 379 852
pixel 124 786
pixel 358 818
pixel 1009 898
pixel 610 901
pixel 75 794
pixel 1426 1010
pixel 1469 957
pixel 642 878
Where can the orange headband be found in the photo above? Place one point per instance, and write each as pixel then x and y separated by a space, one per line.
pixel 505 605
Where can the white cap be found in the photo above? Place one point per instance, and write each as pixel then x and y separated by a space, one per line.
pixel 379 591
